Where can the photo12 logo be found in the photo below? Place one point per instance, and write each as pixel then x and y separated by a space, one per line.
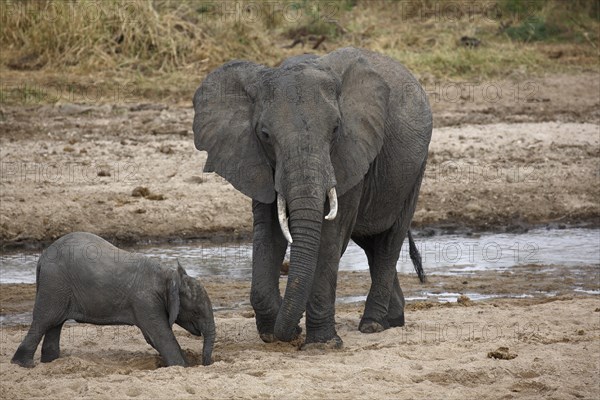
pixel 454 11
pixel 467 173
pixel 488 92
pixel 67 172
pixel 70 92
pixel 472 252
pixel 255 11
pixel 481 331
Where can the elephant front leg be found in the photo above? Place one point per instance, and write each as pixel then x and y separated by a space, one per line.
pixel 159 335
pixel 320 310
pixel 269 248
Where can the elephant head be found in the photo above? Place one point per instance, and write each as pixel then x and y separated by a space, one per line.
pixel 301 134
pixel 194 311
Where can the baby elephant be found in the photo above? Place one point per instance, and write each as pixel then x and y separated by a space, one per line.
pixel 83 277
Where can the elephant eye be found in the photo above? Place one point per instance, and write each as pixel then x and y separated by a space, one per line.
pixel 264 134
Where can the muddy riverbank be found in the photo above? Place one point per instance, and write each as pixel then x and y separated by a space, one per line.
pixel 131 173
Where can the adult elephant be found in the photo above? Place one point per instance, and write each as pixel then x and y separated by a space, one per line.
pixel 352 127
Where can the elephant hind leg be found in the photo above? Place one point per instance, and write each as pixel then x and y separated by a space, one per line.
pixel 51 344
pixel 24 354
pixel 395 315
pixel 45 318
pixel 385 303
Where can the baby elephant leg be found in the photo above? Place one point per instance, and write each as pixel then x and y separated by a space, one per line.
pixel 24 354
pixel 161 337
pixel 148 340
pixel 51 344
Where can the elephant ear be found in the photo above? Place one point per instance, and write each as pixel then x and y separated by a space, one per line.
pixel 173 285
pixel 223 106
pixel 363 103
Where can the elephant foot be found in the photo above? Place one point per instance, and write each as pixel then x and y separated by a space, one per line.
pixel 176 362
pixel 334 343
pixel 23 363
pixel 368 325
pixel 396 321
pixel 269 337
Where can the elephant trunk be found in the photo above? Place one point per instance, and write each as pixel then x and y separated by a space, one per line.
pixel 306 206
pixel 209 334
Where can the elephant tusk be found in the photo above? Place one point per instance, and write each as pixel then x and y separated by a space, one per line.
pixel 333 204
pixel 283 220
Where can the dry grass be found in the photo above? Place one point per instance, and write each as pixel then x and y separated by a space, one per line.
pixel 162 49
pixel 139 36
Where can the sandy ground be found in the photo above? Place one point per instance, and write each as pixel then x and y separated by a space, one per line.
pixel 529 157
pixel 494 163
pixel 441 353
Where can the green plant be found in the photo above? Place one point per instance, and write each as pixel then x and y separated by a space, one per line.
pixel 534 29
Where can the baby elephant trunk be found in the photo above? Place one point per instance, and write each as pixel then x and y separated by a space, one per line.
pixel 208 332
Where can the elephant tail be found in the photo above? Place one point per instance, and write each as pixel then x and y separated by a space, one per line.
pixel 37 274
pixel 416 258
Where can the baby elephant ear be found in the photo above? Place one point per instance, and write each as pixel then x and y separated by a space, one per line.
pixel 173 285
pixel 223 105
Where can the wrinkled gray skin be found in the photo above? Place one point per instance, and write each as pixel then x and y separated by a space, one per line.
pixel 354 120
pixel 83 277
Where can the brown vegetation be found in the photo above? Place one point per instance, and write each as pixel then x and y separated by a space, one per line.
pixel 162 49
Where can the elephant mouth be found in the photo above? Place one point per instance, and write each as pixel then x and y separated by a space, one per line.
pixel 284 220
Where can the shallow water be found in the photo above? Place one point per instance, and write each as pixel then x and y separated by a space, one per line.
pixel 445 254
pixel 447 297
pixel 441 255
